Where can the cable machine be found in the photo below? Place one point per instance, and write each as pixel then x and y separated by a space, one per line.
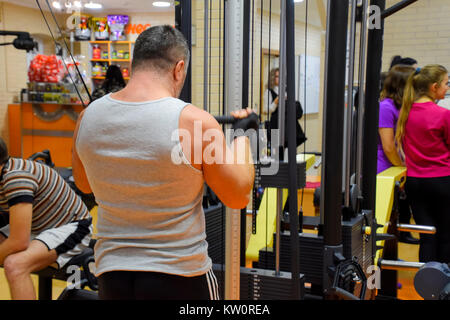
pixel 334 262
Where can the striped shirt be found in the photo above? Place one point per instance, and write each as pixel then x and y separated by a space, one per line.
pixel 54 202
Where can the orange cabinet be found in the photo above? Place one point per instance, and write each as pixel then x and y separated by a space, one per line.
pixel 34 127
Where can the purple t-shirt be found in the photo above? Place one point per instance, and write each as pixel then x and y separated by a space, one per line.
pixel 388 119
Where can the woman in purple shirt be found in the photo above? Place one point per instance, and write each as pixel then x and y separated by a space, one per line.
pixel 391 102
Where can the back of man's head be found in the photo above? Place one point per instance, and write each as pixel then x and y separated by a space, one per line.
pixel 159 48
pixel 3 152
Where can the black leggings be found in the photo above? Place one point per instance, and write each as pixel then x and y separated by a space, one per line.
pixel 430 204
pixel 136 285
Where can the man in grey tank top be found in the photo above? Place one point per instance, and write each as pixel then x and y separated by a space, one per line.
pixel 141 152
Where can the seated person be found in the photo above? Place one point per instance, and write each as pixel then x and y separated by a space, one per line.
pixel 44 222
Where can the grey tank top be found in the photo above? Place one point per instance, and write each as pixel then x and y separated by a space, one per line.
pixel 150 214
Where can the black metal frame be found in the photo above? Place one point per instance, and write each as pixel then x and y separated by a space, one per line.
pixel 183 22
pixel 292 147
pixel 331 205
pixel 371 113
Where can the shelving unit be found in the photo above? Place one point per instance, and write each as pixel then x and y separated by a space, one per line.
pixel 112 52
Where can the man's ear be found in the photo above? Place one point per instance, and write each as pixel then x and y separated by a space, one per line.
pixel 179 70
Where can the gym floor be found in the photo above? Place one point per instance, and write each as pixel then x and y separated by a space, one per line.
pixel 406 290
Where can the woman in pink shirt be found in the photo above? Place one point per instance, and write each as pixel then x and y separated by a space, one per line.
pixel 423 136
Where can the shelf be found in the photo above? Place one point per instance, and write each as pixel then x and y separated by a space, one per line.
pixel 109 60
pixel 108 41
pixel 109 47
pixel 53 102
pixel 103 78
pixel 100 42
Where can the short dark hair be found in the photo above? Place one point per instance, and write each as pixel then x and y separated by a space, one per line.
pixel 113 78
pixel 396 60
pixel 160 47
pixel 3 152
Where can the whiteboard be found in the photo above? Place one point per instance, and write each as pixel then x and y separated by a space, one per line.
pixel 311 104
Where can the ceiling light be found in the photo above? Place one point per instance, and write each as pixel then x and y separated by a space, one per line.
pixel 56 5
pixel 297 1
pixel 161 4
pixel 77 4
pixel 93 5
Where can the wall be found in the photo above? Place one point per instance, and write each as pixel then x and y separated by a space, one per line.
pixel 420 31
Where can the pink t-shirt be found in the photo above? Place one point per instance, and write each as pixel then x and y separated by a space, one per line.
pixel 427 141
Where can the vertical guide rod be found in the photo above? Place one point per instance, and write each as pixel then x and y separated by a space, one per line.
pixel 205 55
pixel 333 128
pixel 245 104
pixel 292 146
pixel 361 94
pixel 349 109
pixel 183 22
pixel 334 105
pixel 234 25
pixel 282 81
pixel 281 126
pixel 371 113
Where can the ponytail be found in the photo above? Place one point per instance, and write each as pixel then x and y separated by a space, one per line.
pixel 417 86
pixel 409 97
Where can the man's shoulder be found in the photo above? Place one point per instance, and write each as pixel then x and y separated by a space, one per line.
pixel 191 113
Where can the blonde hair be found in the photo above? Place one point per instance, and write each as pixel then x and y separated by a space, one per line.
pixel 417 86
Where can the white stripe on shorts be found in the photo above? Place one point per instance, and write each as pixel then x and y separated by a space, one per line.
pixel 212 285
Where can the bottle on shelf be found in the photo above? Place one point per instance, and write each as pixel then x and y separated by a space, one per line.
pixel 96 52
pixel 125 73
pixel 97 70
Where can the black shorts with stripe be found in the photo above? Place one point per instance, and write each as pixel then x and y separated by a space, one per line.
pixel 142 285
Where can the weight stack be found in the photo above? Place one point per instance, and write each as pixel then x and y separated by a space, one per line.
pixel 281 178
pixel 355 245
pixel 215 232
pixel 259 284
pixel 311 256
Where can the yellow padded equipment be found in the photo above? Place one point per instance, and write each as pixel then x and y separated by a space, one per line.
pixel 386 181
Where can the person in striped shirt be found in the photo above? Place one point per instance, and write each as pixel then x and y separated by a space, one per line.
pixel 44 223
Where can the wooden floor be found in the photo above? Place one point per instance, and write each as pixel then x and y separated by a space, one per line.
pixel 408 252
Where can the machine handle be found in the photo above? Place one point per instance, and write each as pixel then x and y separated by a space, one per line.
pixel 225 119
